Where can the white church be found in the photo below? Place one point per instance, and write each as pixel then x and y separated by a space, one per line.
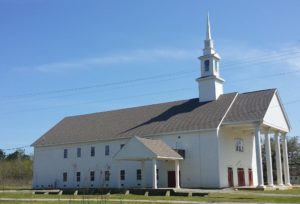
pixel 212 141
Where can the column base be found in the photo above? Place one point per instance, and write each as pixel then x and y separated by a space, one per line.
pixel 261 187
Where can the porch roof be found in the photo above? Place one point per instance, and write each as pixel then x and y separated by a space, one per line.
pixel 145 149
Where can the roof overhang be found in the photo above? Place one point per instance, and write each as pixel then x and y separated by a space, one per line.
pixel 140 149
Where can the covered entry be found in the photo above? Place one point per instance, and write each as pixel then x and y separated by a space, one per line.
pixel 142 149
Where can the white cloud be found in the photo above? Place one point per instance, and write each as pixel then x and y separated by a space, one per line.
pixel 287 55
pixel 128 57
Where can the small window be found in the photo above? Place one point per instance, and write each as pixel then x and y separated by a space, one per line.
pixel 106 150
pixel 65 177
pixel 92 151
pixel 122 145
pixel 139 174
pixel 122 175
pixel 107 175
pixel 239 145
pixel 78 152
pixel 92 176
pixel 216 66
pixel 65 153
pixel 78 176
pixel 206 65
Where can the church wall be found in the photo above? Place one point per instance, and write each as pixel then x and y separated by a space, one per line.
pixel 199 169
pixel 231 157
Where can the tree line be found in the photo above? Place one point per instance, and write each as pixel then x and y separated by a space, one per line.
pixel 15 168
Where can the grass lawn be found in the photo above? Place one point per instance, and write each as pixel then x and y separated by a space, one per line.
pixel 287 196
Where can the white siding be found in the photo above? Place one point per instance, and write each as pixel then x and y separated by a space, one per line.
pixel 275 116
pixel 229 157
pixel 199 169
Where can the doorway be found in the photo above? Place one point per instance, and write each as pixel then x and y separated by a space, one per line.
pixel 230 177
pixel 241 177
pixel 172 179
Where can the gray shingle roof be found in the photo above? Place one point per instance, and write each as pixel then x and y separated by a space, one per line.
pixel 251 106
pixel 159 148
pixel 148 120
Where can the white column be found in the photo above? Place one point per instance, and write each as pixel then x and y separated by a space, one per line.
pixel 154 176
pixel 143 174
pixel 278 160
pixel 268 158
pixel 177 174
pixel 260 177
pixel 285 161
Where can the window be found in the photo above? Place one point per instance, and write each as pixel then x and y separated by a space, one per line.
pixel 92 176
pixel 106 150
pixel 78 176
pixel 107 175
pixel 65 153
pixel 122 145
pixel 216 66
pixel 239 145
pixel 122 175
pixel 65 177
pixel 139 174
pixel 181 152
pixel 206 65
pixel 157 174
pixel 78 152
pixel 92 151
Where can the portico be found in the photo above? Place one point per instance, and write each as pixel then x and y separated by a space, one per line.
pixel 142 150
pixel 282 168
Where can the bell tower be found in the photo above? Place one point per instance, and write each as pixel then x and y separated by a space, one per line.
pixel 210 83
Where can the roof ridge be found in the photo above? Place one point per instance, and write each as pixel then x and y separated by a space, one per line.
pixel 229 108
pixel 130 108
pixel 271 89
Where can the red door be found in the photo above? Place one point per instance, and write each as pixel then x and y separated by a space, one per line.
pixel 241 177
pixel 250 177
pixel 230 177
pixel 171 179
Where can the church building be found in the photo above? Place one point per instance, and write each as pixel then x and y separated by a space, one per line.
pixel 212 141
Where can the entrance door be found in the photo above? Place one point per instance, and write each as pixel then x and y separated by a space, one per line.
pixel 230 177
pixel 250 177
pixel 241 177
pixel 171 179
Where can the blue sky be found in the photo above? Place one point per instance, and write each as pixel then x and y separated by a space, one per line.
pixel 71 57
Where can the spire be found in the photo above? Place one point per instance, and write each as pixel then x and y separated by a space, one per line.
pixel 208 33
pixel 208 42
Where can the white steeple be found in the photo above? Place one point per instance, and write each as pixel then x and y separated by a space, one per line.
pixel 208 34
pixel 210 83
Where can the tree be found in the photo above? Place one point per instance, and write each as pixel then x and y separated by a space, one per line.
pixel 2 154
pixel 294 150
pixel 293 154
pixel 18 155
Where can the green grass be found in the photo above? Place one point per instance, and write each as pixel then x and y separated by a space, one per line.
pixel 294 191
pixel 239 196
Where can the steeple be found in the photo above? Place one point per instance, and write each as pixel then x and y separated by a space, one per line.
pixel 208 35
pixel 210 83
